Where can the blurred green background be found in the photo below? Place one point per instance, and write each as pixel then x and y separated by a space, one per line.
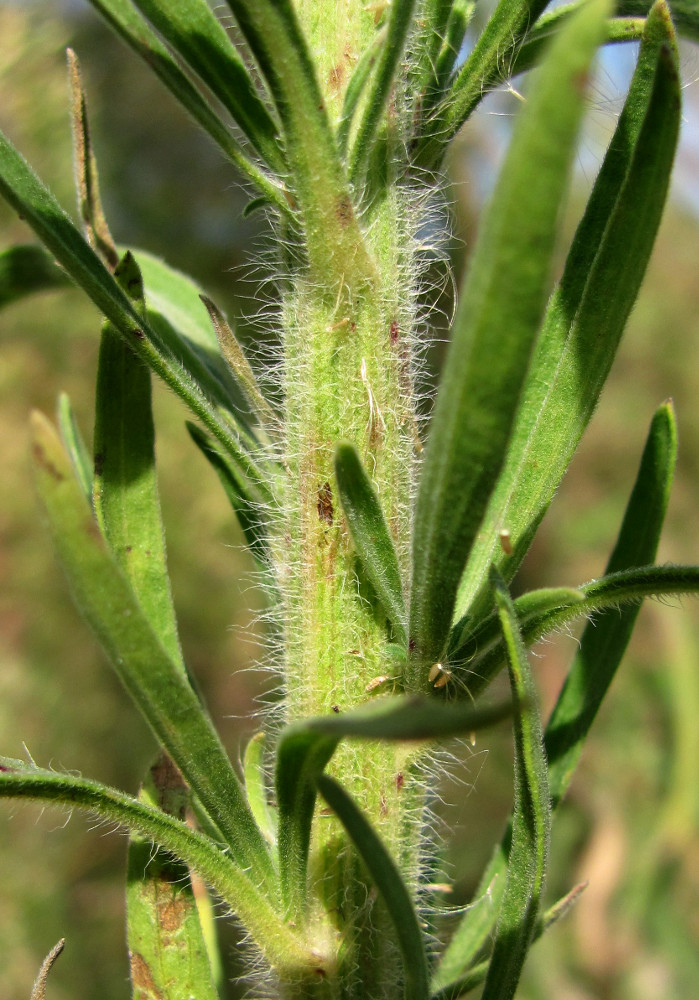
pixel 630 822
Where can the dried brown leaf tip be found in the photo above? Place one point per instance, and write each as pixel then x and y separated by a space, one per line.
pixel 39 988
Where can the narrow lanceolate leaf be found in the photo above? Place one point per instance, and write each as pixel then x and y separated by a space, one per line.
pixel 478 972
pixel 301 759
pixel 276 939
pixel 240 367
pixel 85 168
pixel 333 238
pixel 370 535
pixel 197 35
pixel 305 748
pixel 251 514
pixel 618 30
pixel 126 499
pixel 176 313
pixel 391 887
pixel 39 987
pixel 531 821
pixel 485 644
pixel 601 279
pixel 256 786
pixel 399 20
pixel 156 683
pixel 167 953
pixel 600 652
pixel 26 269
pixel 606 637
pixel 482 69
pixel 20 186
pixel 441 65
pixel 75 445
pixel 125 19
pixel 685 14
pixel 499 314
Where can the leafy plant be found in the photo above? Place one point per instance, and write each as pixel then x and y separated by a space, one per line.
pixel 387 564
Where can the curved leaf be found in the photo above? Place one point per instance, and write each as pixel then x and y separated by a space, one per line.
pixel 390 885
pixel 123 17
pixel 499 313
pixel 194 32
pixel 75 446
pixel 20 186
pixel 156 683
pixel 305 748
pixel 273 936
pixel 334 241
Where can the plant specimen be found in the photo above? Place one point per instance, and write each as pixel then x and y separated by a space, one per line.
pixel 387 541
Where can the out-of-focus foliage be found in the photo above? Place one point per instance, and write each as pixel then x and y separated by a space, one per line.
pixel 642 859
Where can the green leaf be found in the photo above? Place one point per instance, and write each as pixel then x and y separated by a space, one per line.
pixel 498 317
pixel 122 16
pixel 370 535
pixel 252 906
pixel 35 203
pixel 301 759
pixel 39 988
pixel 602 276
pixel 605 639
pixel 256 786
pixel 618 30
pixel 390 885
pixel 477 973
pixel 531 822
pixel 399 21
pixel 503 33
pixel 26 269
pixel 601 649
pixel 439 64
pixel 156 683
pixel 251 514
pixel 305 748
pixel 197 35
pixel 167 951
pixel 85 168
pixel 685 14
pixel 361 74
pixel 74 445
pixel 485 645
pixel 240 367
pixel 125 489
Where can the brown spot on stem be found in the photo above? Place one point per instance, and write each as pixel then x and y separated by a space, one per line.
pixel 400 781
pixel 336 77
pixel 344 211
pixel 99 463
pixel 138 334
pixel 325 504
pixel 394 331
